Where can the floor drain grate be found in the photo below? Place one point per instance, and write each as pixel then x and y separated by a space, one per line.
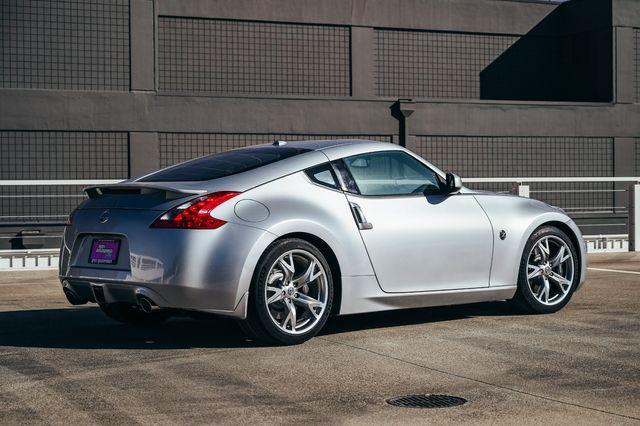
pixel 426 401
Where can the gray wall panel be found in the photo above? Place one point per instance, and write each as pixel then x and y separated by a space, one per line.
pixel 626 13
pixel 492 16
pixel 624 65
pixel 145 153
pixel 428 64
pixel 142 45
pixel 63 155
pixel 179 147
pixel 219 56
pixel 31 109
pixel 68 45
pixel 637 156
pixel 568 56
pixel 509 156
pixel 30 155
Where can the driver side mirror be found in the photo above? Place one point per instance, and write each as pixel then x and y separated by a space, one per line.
pixel 453 183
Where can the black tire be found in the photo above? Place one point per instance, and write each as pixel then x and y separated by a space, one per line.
pixel 524 299
pixel 132 315
pixel 258 324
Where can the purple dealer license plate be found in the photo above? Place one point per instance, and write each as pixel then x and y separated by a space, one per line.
pixel 104 252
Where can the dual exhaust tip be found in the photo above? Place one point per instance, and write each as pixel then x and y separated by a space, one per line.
pixel 147 305
pixel 73 298
pixel 143 303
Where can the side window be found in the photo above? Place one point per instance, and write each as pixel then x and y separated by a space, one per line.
pixel 323 175
pixel 345 176
pixel 391 173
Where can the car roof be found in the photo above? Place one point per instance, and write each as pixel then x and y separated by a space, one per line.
pixel 335 148
pixel 323 144
pixel 314 152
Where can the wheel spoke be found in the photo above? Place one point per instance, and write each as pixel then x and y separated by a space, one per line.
pixel 562 281
pixel 275 276
pixel 310 303
pixel 536 271
pixel 288 267
pixel 560 257
pixel 291 316
pixel 544 292
pixel 278 295
pixel 309 275
pixel 543 248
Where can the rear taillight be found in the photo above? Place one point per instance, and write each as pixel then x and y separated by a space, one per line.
pixel 69 221
pixel 195 214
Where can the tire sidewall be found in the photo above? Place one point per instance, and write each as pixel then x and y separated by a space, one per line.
pixel 524 291
pixel 258 306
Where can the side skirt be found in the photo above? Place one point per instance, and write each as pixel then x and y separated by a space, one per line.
pixel 362 294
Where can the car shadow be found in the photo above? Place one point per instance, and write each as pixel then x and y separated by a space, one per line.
pixel 415 316
pixel 88 328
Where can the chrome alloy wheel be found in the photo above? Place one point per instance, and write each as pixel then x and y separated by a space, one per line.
pixel 550 270
pixel 296 291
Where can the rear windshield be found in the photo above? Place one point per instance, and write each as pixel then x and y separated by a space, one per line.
pixel 223 164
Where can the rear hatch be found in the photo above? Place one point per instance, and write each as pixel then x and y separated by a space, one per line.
pixel 111 230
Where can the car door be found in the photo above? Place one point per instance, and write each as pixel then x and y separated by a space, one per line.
pixel 416 242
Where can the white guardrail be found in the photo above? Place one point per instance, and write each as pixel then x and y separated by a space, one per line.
pixel 30 259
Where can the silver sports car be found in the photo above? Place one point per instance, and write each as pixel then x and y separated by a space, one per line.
pixel 282 236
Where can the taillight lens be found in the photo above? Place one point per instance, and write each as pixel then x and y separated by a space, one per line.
pixel 69 221
pixel 195 214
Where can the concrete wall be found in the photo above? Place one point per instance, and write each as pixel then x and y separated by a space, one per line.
pixel 433 52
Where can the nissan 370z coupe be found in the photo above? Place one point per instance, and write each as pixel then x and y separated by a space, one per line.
pixel 282 236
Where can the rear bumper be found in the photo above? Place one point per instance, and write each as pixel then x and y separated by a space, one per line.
pixel 97 290
pixel 203 270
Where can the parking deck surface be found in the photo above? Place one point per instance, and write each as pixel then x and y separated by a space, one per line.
pixel 63 364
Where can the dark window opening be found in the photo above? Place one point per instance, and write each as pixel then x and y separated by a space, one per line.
pixel 223 164
pixel 323 175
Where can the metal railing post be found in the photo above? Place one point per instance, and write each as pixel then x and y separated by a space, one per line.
pixel 634 217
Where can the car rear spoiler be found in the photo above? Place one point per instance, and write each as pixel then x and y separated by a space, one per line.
pixel 166 192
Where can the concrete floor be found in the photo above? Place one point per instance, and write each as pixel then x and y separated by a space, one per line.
pixel 62 364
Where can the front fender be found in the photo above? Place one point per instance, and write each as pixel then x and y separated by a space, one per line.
pixel 519 218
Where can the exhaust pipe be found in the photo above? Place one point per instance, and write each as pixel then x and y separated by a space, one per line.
pixel 71 295
pixel 146 305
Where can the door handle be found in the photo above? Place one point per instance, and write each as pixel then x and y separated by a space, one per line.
pixel 358 215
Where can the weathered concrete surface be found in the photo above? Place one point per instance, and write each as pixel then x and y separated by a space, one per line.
pixel 61 364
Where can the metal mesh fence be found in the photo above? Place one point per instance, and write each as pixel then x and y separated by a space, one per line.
pixel 636 54
pixel 63 155
pixel 178 147
pixel 220 56
pixel 506 156
pixel 38 204
pixel 65 44
pixel 37 155
pixel 434 64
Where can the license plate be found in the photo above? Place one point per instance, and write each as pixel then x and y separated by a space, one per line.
pixel 104 252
